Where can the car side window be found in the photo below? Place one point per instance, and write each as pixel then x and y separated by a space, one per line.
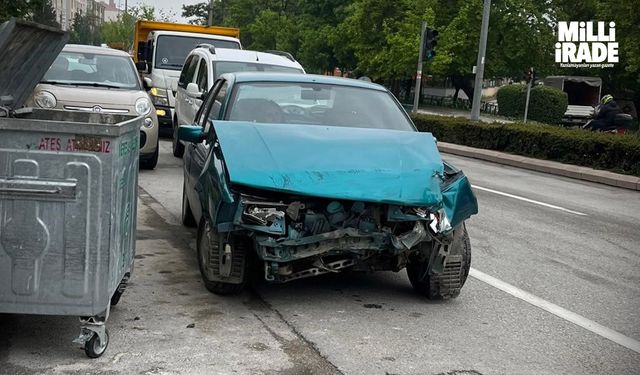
pixel 203 73
pixel 216 106
pixel 190 70
pixel 182 82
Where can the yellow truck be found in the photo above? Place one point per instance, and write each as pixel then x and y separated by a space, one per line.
pixel 160 49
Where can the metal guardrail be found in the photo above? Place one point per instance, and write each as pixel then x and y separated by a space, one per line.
pixel 449 102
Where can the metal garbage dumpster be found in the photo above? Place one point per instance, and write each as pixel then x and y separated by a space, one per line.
pixel 68 191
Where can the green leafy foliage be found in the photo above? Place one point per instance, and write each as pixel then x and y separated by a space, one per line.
pixel 511 100
pixel 119 33
pixel 84 30
pixel 546 104
pixel 40 11
pixel 619 153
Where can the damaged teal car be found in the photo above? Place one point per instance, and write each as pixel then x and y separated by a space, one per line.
pixel 303 175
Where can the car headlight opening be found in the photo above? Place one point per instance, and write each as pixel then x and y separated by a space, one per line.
pixel 159 97
pixel 45 99
pixel 143 107
pixel 148 122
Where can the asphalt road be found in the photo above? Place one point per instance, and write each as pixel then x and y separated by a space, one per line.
pixel 554 289
pixel 577 246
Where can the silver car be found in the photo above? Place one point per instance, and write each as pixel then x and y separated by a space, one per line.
pixel 99 79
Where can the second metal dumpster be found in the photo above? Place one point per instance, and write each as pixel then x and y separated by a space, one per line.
pixel 68 191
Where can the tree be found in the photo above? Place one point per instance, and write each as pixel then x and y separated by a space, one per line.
pixel 198 13
pixel 120 33
pixel 84 30
pixel 40 11
pixel 43 13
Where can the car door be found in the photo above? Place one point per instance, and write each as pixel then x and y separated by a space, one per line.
pixel 202 80
pixel 196 153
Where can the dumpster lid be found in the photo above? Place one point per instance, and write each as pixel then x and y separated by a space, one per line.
pixel 27 50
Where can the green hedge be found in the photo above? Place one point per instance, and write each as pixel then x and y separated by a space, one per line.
pixel 618 153
pixel 546 104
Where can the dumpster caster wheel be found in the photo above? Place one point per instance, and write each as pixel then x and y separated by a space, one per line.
pixel 94 348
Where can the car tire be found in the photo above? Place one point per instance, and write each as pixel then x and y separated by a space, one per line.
pixel 448 283
pixel 188 220
pixel 176 145
pixel 208 249
pixel 150 162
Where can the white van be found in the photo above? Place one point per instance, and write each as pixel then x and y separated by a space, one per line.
pixel 205 64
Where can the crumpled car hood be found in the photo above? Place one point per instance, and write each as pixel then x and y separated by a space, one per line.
pixel 374 165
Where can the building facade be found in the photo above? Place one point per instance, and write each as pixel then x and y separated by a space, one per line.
pixel 111 10
pixel 67 9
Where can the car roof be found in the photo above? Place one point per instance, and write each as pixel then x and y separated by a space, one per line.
pixel 81 48
pixel 302 78
pixel 196 35
pixel 243 55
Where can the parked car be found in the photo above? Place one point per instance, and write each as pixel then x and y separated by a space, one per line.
pixel 313 175
pixel 205 64
pixel 98 79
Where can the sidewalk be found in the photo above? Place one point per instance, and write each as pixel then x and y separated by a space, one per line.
pixel 545 166
pixel 166 322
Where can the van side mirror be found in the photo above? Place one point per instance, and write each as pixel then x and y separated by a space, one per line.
pixel 141 66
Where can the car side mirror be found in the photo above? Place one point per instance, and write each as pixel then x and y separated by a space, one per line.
pixel 194 91
pixel 191 133
pixel 147 83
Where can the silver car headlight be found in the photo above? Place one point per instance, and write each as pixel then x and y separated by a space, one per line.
pixel 45 99
pixel 143 106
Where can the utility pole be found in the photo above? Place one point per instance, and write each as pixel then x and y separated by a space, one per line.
pixel 416 96
pixel 210 23
pixel 482 49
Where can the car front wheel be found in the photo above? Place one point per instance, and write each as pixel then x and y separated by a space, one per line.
pixel 222 259
pixel 448 280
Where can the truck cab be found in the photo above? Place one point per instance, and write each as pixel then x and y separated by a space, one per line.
pixel 160 51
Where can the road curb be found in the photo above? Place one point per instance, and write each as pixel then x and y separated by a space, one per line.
pixel 545 166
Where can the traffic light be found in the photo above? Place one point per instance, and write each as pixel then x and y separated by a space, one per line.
pixel 430 43
pixel 530 76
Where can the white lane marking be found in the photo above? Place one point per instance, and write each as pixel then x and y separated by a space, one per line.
pixel 528 200
pixel 558 311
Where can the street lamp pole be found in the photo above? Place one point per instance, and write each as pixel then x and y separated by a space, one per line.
pixel 416 96
pixel 210 13
pixel 482 49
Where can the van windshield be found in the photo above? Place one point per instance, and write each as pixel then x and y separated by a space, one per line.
pixel 172 50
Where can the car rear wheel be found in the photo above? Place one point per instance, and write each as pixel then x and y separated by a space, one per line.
pixel 176 145
pixel 449 281
pixel 150 162
pixel 214 258
pixel 188 220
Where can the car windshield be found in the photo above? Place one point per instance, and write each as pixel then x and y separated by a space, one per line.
pixel 316 104
pixel 222 67
pixel 171 51
pixel 89 69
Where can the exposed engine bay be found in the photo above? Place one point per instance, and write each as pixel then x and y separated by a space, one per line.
pixel 304 238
